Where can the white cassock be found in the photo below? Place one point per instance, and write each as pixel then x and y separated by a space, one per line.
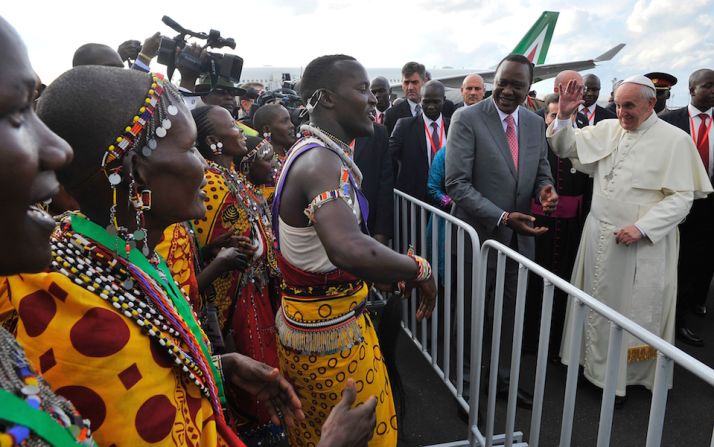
pixel 647 177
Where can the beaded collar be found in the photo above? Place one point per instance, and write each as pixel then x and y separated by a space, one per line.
pixel 82 251
pixel 27 402
pixel 344 151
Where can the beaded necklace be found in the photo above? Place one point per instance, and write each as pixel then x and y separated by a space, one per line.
pixel 27 401
pixel 157 306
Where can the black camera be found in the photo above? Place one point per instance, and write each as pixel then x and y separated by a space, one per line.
pixel 228 66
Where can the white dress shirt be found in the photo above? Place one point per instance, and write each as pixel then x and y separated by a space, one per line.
pixel 439 122
pixel 502 116
pixel 696 121
pixel 590 115
pixel 412 106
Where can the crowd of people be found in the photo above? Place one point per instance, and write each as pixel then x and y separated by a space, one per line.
pixel 190 265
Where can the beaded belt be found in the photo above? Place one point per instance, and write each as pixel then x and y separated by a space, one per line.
pixel 320 337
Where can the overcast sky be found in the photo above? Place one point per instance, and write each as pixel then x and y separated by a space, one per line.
pixel 676 36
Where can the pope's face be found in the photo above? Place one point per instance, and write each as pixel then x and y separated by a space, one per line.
pixel 632 107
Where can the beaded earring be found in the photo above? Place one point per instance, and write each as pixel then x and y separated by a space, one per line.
pixel 150 123
pixel 266 135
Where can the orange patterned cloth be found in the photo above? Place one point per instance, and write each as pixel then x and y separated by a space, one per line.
pixel 246 311
pixel 178 248
pixel 111 370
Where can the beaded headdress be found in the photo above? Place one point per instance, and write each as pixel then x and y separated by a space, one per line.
pixel 150 123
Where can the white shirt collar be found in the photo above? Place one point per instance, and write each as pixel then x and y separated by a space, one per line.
pixel 591 109
pixel 439 121
pixel 412 105
pixel 503 115
pixel 693 111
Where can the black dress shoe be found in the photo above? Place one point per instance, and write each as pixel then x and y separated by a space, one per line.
pixel 524 399
pixel 700 310
pixel 620 401
pixel 686 335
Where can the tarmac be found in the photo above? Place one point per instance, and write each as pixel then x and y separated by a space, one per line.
pixel 432 415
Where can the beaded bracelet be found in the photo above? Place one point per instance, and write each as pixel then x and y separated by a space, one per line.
pixel 423 266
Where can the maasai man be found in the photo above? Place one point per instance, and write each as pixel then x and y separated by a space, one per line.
pixel 325 256
pixel 646 174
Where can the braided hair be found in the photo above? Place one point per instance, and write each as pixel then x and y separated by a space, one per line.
pixel 205 128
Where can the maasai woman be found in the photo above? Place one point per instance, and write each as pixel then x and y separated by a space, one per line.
pixel 274 124
pixel 30 413
pixel 107 325
pixel 325 257
pixel 242 298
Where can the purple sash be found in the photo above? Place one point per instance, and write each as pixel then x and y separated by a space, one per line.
pixel 361 199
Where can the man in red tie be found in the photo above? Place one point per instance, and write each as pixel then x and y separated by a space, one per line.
pixel 380 90
pixel 593 112
pixel 496 162
pixel 416 140
pixel 696 265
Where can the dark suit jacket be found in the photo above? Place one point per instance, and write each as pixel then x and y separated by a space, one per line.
pixel 680 118
pixel 372 158
pixel 481 178
pixel 580 119
pixel 602 113
pixel 448 109
pixel 407 146
pixel 392 115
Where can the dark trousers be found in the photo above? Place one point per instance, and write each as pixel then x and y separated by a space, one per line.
pixel 509 305
pixel 696 263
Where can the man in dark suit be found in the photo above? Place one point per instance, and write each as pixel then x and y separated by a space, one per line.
pixel 416 140
pixel 696 264
pixel 380 89
pixel 472 90
pixel 371 154
pixel 589 108
pixel 413 78
pixel 496 162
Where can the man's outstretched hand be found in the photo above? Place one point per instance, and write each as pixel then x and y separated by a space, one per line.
pixel 346 426
pixel 523 224
pixel 266 384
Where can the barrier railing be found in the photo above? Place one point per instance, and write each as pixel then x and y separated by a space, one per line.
pixel 441 339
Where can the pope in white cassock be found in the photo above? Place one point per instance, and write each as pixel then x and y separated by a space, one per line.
pixel 646 173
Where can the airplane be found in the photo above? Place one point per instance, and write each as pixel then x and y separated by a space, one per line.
pixel 534 45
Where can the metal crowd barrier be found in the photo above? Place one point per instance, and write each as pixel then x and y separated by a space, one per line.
pixel 426 334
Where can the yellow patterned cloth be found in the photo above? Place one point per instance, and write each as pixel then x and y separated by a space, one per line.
pixel 341 344
pixel 115 375
pixel 177 247
pixel 92 353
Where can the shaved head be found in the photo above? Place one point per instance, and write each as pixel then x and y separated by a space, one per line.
pixel 472 89
pixel 564 77
pixel 96 54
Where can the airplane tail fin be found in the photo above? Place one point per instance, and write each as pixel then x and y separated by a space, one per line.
pixel 536 42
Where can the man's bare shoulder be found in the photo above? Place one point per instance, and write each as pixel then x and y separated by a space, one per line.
pixel 316 163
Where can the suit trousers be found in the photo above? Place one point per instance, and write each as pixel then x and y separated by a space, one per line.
pixel 696 264
pixel 508 315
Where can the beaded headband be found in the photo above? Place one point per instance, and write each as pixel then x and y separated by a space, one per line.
pixel 144 124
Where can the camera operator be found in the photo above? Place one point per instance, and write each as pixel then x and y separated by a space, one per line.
pixel 246 106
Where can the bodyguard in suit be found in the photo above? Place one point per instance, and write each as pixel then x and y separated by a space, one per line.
pixel 472 90
pixel 589 108
pixel 371 154
pixel 696 243
pixel 413 78
pixel 496 161
pixel 381 90
pixel 416 140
